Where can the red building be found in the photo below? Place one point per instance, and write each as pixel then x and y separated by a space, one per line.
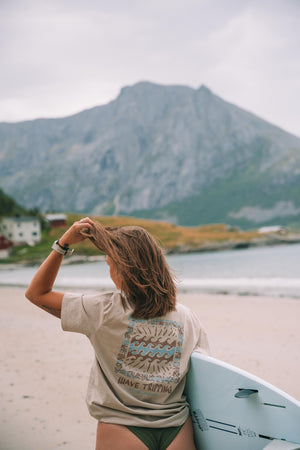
pixel 56 220
pixel 5 247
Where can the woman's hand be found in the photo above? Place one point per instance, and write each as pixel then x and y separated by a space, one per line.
pixel 75 233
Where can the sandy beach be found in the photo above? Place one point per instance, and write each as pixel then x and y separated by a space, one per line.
pixel 44 371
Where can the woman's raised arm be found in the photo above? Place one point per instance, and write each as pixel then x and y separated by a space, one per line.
pixel 40 290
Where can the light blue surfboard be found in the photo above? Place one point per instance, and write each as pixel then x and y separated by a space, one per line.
pixel 234 410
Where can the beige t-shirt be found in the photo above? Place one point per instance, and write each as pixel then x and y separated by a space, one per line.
pixel 138 375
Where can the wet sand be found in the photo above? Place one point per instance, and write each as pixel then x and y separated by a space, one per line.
pixel 44 371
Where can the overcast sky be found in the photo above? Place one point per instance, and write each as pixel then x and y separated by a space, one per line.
pixel 59 57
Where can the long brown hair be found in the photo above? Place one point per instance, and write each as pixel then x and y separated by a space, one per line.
pixel 146 277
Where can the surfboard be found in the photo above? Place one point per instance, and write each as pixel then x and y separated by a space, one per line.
pixel 232 409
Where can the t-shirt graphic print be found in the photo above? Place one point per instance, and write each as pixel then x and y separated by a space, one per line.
pixel 149 358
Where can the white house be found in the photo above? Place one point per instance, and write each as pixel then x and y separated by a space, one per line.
pixel 21 230
pixel 273 229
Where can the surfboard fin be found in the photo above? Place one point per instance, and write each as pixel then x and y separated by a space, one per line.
pixel 245 393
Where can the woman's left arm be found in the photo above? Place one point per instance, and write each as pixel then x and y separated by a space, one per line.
pixel 40 290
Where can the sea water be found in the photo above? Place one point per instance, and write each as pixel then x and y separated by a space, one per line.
pixel 271 271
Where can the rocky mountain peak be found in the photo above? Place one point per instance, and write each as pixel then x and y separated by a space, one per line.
pixel 170 152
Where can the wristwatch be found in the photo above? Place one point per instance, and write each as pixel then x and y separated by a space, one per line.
pixel 62 249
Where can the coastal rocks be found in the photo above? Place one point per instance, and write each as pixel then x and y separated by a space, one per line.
pixel 212 246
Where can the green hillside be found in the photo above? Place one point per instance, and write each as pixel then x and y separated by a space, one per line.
pixel 8 206
pixel 173 238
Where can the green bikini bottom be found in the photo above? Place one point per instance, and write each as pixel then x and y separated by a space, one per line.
pixel 156 438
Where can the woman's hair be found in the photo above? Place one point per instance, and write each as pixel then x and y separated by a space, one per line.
pixel 145 275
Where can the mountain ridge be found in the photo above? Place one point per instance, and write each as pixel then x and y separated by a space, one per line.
pixel 169 152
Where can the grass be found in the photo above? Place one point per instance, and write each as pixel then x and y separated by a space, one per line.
pixel 171 237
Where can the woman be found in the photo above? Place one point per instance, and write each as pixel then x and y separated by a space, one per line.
pixel 142 339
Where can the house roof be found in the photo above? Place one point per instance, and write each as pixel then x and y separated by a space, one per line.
pixel 20 219
pixel 55 216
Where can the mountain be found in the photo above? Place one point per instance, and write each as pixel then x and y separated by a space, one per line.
pixel 166 152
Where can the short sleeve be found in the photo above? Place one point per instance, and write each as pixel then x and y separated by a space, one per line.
pixel 202 345
pixel 82 313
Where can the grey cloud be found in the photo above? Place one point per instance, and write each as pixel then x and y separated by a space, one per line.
pixel 78 53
